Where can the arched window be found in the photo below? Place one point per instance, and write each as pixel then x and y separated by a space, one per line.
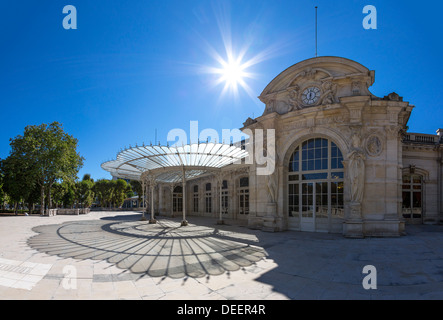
pixel 208 198
pixel 243 196
pixel 412 208
pixel 195 198
pixel 315 186
pixel 177 199
pixel 224 197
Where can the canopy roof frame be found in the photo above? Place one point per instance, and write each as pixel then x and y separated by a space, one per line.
pixel 201 157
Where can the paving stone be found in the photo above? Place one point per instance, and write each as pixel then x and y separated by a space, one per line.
pixel 124 258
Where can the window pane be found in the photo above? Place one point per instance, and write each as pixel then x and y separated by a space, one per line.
pixel 318 164
pixel 324 142
pixel 311 144
pixel 324 164
pixel 333 151
pixel 311 154
pixel 315 176
pixel 244 182
pixel 334 163
pixel 311 165
pixel 337 175
pixel 406 199
pixel 416 199
pixel 416 179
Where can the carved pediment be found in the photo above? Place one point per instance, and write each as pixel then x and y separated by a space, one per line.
pixel 314 82
pixel 304 94
pixel 310 74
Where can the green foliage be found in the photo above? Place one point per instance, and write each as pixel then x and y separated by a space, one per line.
pixel 111 192
pixel 58 191
pixel 17 183
pixel 137 188
pixel 103 192
pixel 87 176
pixel 69 197
pixel 2 192
pixel 119 192
pixel 42 156
pixel 85 193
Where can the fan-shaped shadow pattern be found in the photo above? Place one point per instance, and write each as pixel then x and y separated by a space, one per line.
pixel 162 249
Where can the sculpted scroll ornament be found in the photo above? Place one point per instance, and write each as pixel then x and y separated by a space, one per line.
pixel 293 98
pixel 329 91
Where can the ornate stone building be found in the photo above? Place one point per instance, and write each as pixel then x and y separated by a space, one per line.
pixel 344 161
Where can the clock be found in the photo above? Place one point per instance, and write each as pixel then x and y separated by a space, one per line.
pixel 310 95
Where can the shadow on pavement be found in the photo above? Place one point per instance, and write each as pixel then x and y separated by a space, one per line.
pixel 157 250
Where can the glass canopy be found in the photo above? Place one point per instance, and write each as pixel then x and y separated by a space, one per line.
pixel 173 164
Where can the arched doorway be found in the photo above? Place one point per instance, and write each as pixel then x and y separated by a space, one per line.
pixel 177 200
pixel 315 187
pixel 412 194
pixel 243 198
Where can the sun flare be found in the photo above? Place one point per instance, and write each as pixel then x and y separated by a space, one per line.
pixel 232 73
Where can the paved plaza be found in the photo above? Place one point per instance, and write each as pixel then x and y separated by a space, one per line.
pixel 114 255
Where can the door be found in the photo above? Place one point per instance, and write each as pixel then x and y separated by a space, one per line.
pixel 307 219
pixel 412 208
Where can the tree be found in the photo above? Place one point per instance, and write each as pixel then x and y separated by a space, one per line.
pixel 18 178
pixel 103 191
pixel 137 188
pixel 87 176
pixel 69 196
pixel 46 154
pixel 2 192
pixel 119 193
pixel 58 191
pixel 85 193
pixel 33 198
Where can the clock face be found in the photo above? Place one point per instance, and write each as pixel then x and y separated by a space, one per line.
pixel 310 95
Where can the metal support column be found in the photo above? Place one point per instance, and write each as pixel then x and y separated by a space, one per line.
pixel 184 222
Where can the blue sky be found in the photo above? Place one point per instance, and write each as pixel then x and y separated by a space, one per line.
pixel 134 70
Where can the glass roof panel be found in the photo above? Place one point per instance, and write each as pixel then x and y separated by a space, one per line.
pixel 167 163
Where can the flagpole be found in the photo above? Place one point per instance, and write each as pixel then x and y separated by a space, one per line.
pixel 316 31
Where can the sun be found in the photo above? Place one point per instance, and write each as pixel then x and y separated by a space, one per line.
pixel 233 73
pixel 235 64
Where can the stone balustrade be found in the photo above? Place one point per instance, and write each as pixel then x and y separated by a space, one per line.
pixel 421 138
pixel 54 212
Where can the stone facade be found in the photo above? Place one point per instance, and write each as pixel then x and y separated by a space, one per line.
pixel 326 100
